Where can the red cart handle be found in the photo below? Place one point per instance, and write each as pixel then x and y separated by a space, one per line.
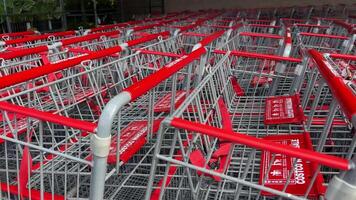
pixel 23 52
pixel 38 37
pixel 259 56
pixel 49 117
pixel 324 35
pixel 343 56
pixel 207 40
pixel 143 86
pixel 111 26
pixel 258 143
pixel 94 36
pixel 18 34
pixel 264 35
pixel 340 90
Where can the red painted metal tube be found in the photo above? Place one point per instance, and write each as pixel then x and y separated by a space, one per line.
pixel 167 54
pixel 343 93
pixel 94 36
pixel 16 34
pixel 343 56
pixel 147 38
pixel 312 25
pixel 265 35
pixel 207 40
pixel 38 37
pixel 49 117
pixel 23 52
pixel 195 34
pixel 264 25
pixel 258 143
pixel 260 56
pixel 324 35
pixel 140 28
pixel 143 86
pixel 111 26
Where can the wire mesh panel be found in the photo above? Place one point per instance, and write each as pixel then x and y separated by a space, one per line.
pixel 209 149
pixel 213 104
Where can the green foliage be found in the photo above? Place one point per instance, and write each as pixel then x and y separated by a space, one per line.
pixel 20 10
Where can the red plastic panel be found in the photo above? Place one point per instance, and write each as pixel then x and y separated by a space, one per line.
pixel 219 158
pixel 164 104
pixel 133 137
pixel 283 110
pixel 282 165
pixel 237 88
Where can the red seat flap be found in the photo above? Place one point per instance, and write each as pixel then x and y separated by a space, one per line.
pixel 283 110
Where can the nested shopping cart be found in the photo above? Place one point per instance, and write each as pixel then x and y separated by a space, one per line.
pixel 14 60
pixel 271 28
pixel 18 59
pixel 219 145
pixel 57 164
pixel 324 42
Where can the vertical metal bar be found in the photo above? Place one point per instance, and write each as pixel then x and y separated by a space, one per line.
pixel 162 6
pixel 8 20
pixel 64 15
pixel 95 13
pixel 327 126
pixel 122 16
pixel 315 103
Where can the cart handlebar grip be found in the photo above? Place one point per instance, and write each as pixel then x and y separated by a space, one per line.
pixel 264 25
pixel 49 117
pixel 343 56
pixel 140 28
pixel 312 25
pixel 38 37
pixel 339 88
pixel 147 38
pixel 93 36
pixel 23 52
pixel 18 33
pixel 208 39
pixel 259 56
pixel 264 35
pixel 191 26
pixel 258 143
pixel 111 26
pixel 324 35
pixel 143 86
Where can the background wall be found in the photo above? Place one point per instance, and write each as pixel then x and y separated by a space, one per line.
pixel 179 5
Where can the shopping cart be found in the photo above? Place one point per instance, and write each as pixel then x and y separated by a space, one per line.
pixel 324 42
pixel 219 145
pixel 20 59
pixel 81 95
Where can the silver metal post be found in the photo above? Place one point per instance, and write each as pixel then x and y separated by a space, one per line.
pixel 100 144
pixel 8 20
